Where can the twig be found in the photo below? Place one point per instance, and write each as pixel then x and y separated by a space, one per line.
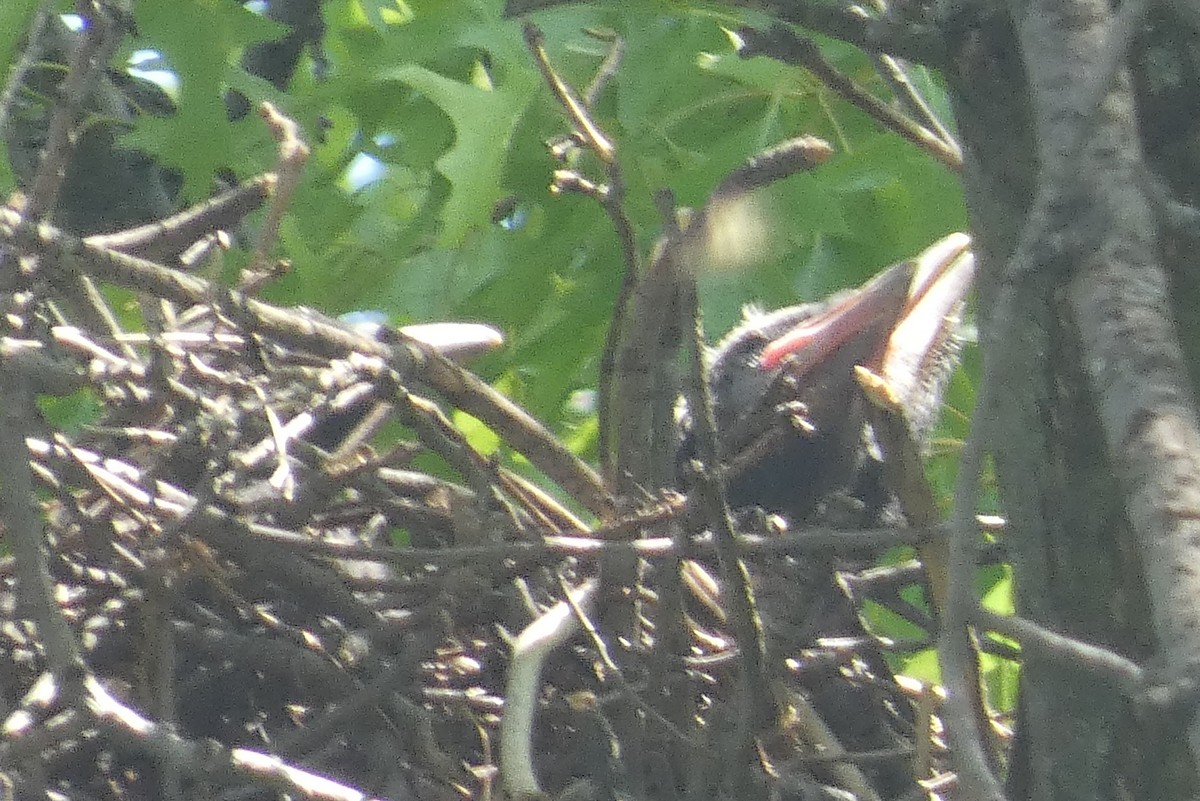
pixel 801 154
pixel 790 47
pixel 577 112
pixel 480 475
pixel 525 434
pixel 306 329
pixel 818 734
pixel 91 56
pixel 613 671
pixel 293 154
pixel 960 711
pixel 24 531
pixel 759 709
pixel 1125 673
pixel 896 74
pixel 608 70
pixel 530 650
pixel 891 34
pixel 164 240
pixel 611 197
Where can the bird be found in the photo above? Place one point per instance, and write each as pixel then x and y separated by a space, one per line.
pixel 790 420
pixel 794 441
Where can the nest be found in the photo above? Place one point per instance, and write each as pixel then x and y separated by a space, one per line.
pixel 268 566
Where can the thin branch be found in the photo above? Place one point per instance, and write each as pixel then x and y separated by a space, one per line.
pixel 1125 673
pixel 293 155
pixel 306 329
pixel 896 74
pixel 608 70
pixel 573 105
pixel 164 240
pixel 24 530
pixel 611 197
pixel 92 53
pixel 959 666
pixel 530 651
pixel 889 33
pixel 792 48
pixel 746 626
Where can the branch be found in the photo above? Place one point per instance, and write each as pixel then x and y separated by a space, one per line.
pixel 792 48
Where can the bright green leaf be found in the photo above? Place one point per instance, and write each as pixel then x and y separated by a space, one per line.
pixel 484 122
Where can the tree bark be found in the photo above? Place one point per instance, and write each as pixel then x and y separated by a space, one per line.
pixel 1093 425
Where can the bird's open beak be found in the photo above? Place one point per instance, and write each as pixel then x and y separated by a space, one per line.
pixel 915 300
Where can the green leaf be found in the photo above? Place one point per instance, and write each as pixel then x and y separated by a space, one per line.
pixel 198 138
pixel 478 435
pixel 484 121
pixel 70 413
pixel 15 19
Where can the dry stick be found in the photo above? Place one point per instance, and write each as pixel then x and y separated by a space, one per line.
pixel 746 626
pixel 607 71
pixel 613 672
pixel 797 155
pixel 91 56
pixel 1129 676
pixel 896 74
pixel 293 154
pixel 88 62
pixel 526 435
pixel 822 739
pixel 883 34
pixel 577 113
pixel 207 759
pixel 24 530
pixel 905 473
pixel 63 253
pixel 617 571
pixel 546 510
pixel 552 549
pixel 958 661
pixel 426 418
pixel 164 240
pixel 795 49
pixel 800 154
pixel 530 650
pixel 611 198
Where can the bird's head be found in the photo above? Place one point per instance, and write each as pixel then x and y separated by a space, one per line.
pixel 788 412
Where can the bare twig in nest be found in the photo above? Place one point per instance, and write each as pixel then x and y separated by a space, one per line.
pixel 293 154
pixel 611 197
pixel 530 650
pixel 164 240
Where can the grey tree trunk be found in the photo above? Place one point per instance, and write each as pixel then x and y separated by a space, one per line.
pixel 1085 289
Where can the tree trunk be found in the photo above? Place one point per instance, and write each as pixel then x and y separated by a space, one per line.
pixel 1092 421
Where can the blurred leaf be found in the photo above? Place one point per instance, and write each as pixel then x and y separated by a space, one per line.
pixel 198 138
pixel 482 119
pixel 15 19
pixel 70 413
pixel 480 437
